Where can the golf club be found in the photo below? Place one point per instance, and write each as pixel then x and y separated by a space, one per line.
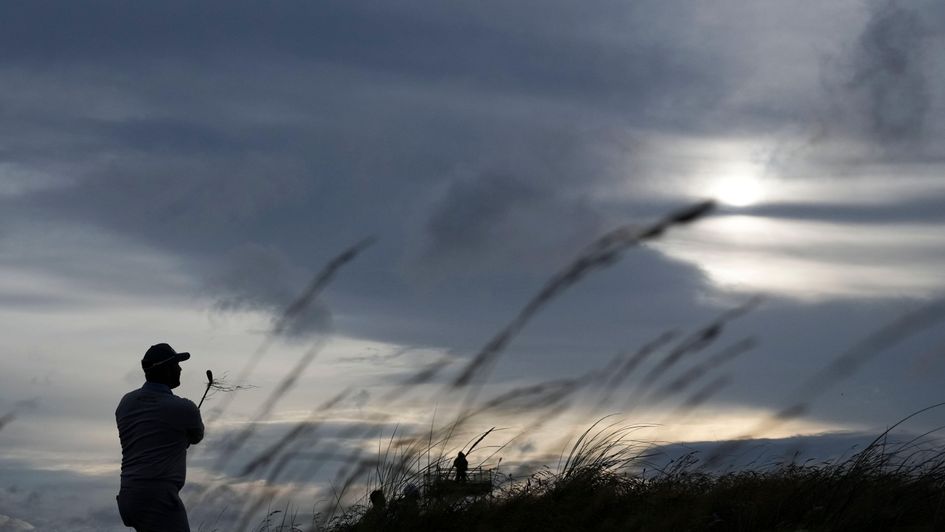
pixel 209 384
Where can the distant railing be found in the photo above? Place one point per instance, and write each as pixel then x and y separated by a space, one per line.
pixel 441 481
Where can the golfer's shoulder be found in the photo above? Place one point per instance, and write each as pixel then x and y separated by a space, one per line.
pixel 179 410
pixel 131 398
pixel 126 402
pixel 181 403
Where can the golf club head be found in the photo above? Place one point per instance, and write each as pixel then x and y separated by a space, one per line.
pixel 209 376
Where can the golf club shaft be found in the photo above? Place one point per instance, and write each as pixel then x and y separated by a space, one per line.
pixel 204 396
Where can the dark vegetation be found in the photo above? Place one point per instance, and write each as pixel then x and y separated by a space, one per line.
pixel 887 486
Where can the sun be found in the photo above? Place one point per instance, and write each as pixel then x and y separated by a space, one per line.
pixel 738 190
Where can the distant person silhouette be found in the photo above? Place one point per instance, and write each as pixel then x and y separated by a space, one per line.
pixel 376 518
pixel 461 465
pixel 155 428
pixel 408 507
pixel 378 500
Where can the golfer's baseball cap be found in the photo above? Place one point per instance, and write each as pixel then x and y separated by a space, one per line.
pixel 159 354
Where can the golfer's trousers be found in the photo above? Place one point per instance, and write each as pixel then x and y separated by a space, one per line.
pixel 152 507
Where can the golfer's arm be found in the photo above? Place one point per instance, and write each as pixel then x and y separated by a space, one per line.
pixel 195 435
pixel 194 427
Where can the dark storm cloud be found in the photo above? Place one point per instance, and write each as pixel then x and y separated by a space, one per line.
pixel 474 139
pixel 472 213
pixel 254 277
pixel 885 88
pixel 477 217
pixel 524 45
pixel 890 71
pixel 484 144
pixel 797 342
pixel 463 137
pixel 630 302
pixel 54 499
pixel 921 210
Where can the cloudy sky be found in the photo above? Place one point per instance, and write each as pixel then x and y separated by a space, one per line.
pixel 180 173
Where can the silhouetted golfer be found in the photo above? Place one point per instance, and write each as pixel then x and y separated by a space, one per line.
pixel 461 466
pixel 156 427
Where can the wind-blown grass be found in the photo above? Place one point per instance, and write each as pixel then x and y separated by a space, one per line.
pixel 886 486
pixel 599 483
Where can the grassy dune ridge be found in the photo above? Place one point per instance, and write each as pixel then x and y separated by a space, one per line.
pixel 887 486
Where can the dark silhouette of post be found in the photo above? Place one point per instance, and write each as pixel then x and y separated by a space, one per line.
pixel 155 428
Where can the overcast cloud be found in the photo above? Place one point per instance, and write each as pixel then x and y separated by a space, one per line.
pixel 176 174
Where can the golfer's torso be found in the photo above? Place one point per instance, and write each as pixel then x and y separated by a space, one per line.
pixel 152 427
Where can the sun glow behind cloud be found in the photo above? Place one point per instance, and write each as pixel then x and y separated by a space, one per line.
pixel 744 172
pixel 815 260
pixel 738 185
pixel 803 228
